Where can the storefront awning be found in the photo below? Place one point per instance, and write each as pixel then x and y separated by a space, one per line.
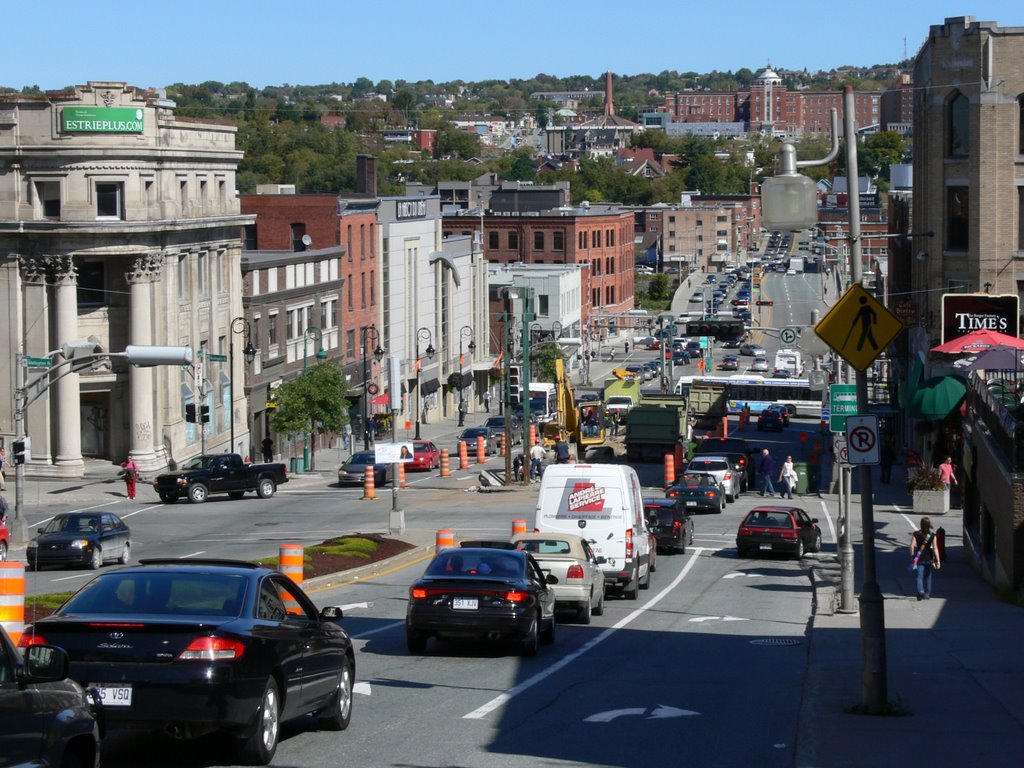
pixel 429 386
pixel 937 397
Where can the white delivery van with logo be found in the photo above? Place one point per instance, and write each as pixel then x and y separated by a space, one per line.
pixel 603 504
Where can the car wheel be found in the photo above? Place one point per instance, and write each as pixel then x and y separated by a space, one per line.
pixel 236 494
pixel 3 551
pixel 416 642
pixel 547 636
pixel 532 638
pixel 741 551
pixel 168 498
pixel 337 715
pixel 259 746
pixel 265 488
pixel 799 549
pixel 197 493
pixel 646 583
pixel 599 608
pixel 126 554
pixel 584 612
pixel 817 542
pixel 681 549
pixel 96 561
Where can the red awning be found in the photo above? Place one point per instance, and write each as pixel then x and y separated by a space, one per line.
pixel 496 365
pixel 381 399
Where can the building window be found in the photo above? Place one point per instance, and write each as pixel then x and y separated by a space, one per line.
pixel 597 238
pixel 204 289
pixel 362 290
pixel 350 342
pixel 957 217
pixel 492 240
pixel 183 195
pixel 542 305
pixel 538 241
pixel 298 232
pixel 348 241
pixel 183 277
pixel 958 126
pixel 219 268
pixel 558 240
pixel 362 242
pixel 611 238
pixel 250 237
pixel 48 193
pixel 1020 125
pixel 272 329
pixel 348 285
pixel 513 240
pixel 92 284
pixel 109 200
pixel 1020 218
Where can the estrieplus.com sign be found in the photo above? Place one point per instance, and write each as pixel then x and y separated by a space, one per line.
pixel 101 120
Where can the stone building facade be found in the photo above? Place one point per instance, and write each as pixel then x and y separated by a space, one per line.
pixel 118 221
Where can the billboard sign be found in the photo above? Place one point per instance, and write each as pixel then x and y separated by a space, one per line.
pixel 963 313
pixel 101 120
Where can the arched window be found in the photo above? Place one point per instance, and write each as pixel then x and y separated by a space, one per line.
pixel 958 128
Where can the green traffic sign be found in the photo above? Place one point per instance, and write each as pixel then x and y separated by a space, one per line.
pixel 38 362
pixel 843 403
pixel 217 358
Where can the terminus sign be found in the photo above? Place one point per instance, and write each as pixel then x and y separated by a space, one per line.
pixel 966 312
pixel 101 120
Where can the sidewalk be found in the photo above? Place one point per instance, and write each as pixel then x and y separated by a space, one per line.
pixel 953 662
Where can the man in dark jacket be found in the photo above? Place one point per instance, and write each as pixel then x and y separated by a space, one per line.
pixel 765 470
pixel 561 450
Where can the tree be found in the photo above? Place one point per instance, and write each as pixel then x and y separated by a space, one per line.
pixel 544 355
pixel 314 402
pixel 879 151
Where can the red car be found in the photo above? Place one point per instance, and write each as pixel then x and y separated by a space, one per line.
pixel 5 543
pixel 778 529
pixel 425 456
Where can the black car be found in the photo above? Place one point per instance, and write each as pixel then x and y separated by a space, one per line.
pixel 190 647
pixel 82 539
pixel 669 523
pixel 778 529
pixel 770 418
pixel 482 593
pixel 729 363
pixel 45 719
pixel 698 492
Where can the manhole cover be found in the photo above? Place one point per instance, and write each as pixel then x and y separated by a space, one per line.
pixel 776 641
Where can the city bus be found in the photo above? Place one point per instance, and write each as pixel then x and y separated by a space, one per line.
pixel 759 392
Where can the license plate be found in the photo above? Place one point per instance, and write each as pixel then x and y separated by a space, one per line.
pixel 465 603
pixel 115 695
pixel 691 503
pixel 766 546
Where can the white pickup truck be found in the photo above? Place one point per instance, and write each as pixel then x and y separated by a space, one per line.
pixel 568 557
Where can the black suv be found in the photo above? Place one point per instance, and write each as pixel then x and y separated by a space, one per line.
pixel 739 453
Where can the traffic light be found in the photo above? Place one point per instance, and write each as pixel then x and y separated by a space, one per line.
pixel 765 303
pixel 722 329
pixel 515 387
pixel 204 413
pixel 190 413
pixel 18 446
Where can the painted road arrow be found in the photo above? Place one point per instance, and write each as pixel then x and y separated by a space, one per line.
pixel 363 688
pixel 660 712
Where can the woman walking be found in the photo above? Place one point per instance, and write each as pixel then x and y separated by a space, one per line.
pixel 130 473
pixel 788 478
pixel 925 556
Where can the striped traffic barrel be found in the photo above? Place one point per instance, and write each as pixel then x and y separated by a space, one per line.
pixel 290 561
pixel 670 470
pixel 446 468
pixel 12 599
pixel 369 484
pixel 463 455
pixel 518 526
pixel 481 449
pixel 444 539
pixel 401 474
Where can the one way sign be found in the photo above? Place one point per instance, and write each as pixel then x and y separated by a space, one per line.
pixel 862 443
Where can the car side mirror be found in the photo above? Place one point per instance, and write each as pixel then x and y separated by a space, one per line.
pixel 44 664
pixel 40 530
pixel 814 519
pixel 551 579
pixel 332 613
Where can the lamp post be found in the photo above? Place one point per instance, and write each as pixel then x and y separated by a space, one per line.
pixel 422 333
pixel 466 331
pixel 239 326
pixel 321 354
pixel 369 333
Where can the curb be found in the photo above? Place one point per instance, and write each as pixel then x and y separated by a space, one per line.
pixel 372 570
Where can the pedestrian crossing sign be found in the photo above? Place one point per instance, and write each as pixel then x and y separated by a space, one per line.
pixel 858 327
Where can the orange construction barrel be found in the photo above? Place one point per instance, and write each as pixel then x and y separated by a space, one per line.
pixel 290 561
pixel 463 455
pixel 481 449
pixel 444 539
pixel 369 484
pixel 446 469
pixel 12 599
pixel 518 526
pixel 401 474
pixel 533 435
pixel 670 470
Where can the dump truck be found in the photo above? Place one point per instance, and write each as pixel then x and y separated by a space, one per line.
pixel 656 426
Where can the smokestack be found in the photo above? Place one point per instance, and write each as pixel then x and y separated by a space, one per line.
pixel 609 105
pixel 366 175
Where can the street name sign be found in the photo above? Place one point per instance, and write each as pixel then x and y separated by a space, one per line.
pixel 37 362
pixel 217 358
pixel 859 327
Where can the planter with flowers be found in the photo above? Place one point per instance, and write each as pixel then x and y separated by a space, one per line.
pixel 931 496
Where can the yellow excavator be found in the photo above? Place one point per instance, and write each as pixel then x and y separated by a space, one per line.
pixel 581 423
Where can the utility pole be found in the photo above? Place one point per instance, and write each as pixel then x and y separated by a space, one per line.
pixel 528 317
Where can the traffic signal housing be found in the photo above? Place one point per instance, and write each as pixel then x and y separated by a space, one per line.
pixel 18 448
pixel 204 413
pixel 515 387
pixel 765 303
pixel 721 329
pixel 190 413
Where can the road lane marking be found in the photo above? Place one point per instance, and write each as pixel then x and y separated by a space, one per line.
pixel 385 628
pixel 503 698
pixel 193 554
pixel 144 509
pixel 828 519
pixel 660 712
pixel 363 688
pixel 742 575
pixel 69 578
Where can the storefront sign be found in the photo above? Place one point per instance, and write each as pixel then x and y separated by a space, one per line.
pixel 411 209
pixel 101 120
pixel 966 312
pixel 906 311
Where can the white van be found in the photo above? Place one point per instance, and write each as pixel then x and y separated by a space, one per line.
pixel 603 504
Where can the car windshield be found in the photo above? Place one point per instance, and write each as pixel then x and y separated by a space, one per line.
pixel 72 524
pixel 474 431
pixel 362 458
pixel 710 466
pixel 545 546
pixel 470 563
pixel 199 462
pixel 175 594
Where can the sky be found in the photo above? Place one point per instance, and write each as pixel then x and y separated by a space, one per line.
pixel 309 42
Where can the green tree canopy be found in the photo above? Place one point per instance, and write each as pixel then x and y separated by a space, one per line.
pixel 314 401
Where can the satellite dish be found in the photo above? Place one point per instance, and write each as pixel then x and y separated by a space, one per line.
pixel 307 240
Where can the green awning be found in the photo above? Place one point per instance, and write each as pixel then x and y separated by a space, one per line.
pixel 935 398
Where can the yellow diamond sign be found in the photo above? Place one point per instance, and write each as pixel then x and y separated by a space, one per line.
pixel 858 327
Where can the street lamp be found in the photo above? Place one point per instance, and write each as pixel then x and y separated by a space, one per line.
pixel 369 332
pixel 422 333
pixel 239 326
pixel 466 331
pixel 321 354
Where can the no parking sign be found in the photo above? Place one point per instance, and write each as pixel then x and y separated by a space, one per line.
pixel 862 441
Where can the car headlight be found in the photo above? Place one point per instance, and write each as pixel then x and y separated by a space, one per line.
pixel 79 544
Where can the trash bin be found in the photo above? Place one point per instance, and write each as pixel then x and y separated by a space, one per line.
pixel 803 473
pixel 297 465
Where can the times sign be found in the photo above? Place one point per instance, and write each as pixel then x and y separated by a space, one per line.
pixel 963 313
